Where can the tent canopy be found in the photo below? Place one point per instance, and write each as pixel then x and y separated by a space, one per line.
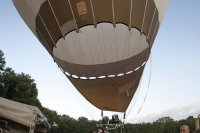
pixel 27 115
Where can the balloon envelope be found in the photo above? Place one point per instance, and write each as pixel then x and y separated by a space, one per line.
pixel 101 45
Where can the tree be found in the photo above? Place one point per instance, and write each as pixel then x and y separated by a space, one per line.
pixel 2 61
pixel 2 66
pixel 20 87
pixel 165 119
pixel 68 124
pixel 17 87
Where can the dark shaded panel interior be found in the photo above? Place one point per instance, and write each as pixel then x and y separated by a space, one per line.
pixel 138 7
pixel 122 11
pixel 103 10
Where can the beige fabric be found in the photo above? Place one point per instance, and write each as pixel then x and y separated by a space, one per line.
pixel 113 68
pixel 161 5
pixel 28 10
pixel 112 94
pixel 21 113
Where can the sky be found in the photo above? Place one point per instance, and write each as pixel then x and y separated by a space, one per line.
pixel 175 61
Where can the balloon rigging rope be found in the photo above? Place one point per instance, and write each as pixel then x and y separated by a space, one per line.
pixel 134 100
pixel 134 103
pixel 113 12
pixel 144 15
pixel 139 93
pixel 130 17
pixel 147 87
pixel 151 22
pixel 154 33
pixel 84 105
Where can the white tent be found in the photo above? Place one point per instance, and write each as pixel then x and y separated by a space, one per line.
pixel 27 115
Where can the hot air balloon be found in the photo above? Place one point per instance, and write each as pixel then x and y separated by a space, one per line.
pixel 101 45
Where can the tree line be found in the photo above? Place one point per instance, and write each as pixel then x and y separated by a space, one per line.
pixel 22 88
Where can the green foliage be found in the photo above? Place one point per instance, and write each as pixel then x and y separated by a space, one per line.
pixel 2 66
pixel 162 125
pixel 165 119
pixel 19 87
pixel 2 61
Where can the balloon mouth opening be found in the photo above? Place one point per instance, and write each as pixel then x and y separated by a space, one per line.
pixel 102 52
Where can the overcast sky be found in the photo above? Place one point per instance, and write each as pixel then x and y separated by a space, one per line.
pixel 175 84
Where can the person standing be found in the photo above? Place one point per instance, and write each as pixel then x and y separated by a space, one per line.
pixel 184 129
